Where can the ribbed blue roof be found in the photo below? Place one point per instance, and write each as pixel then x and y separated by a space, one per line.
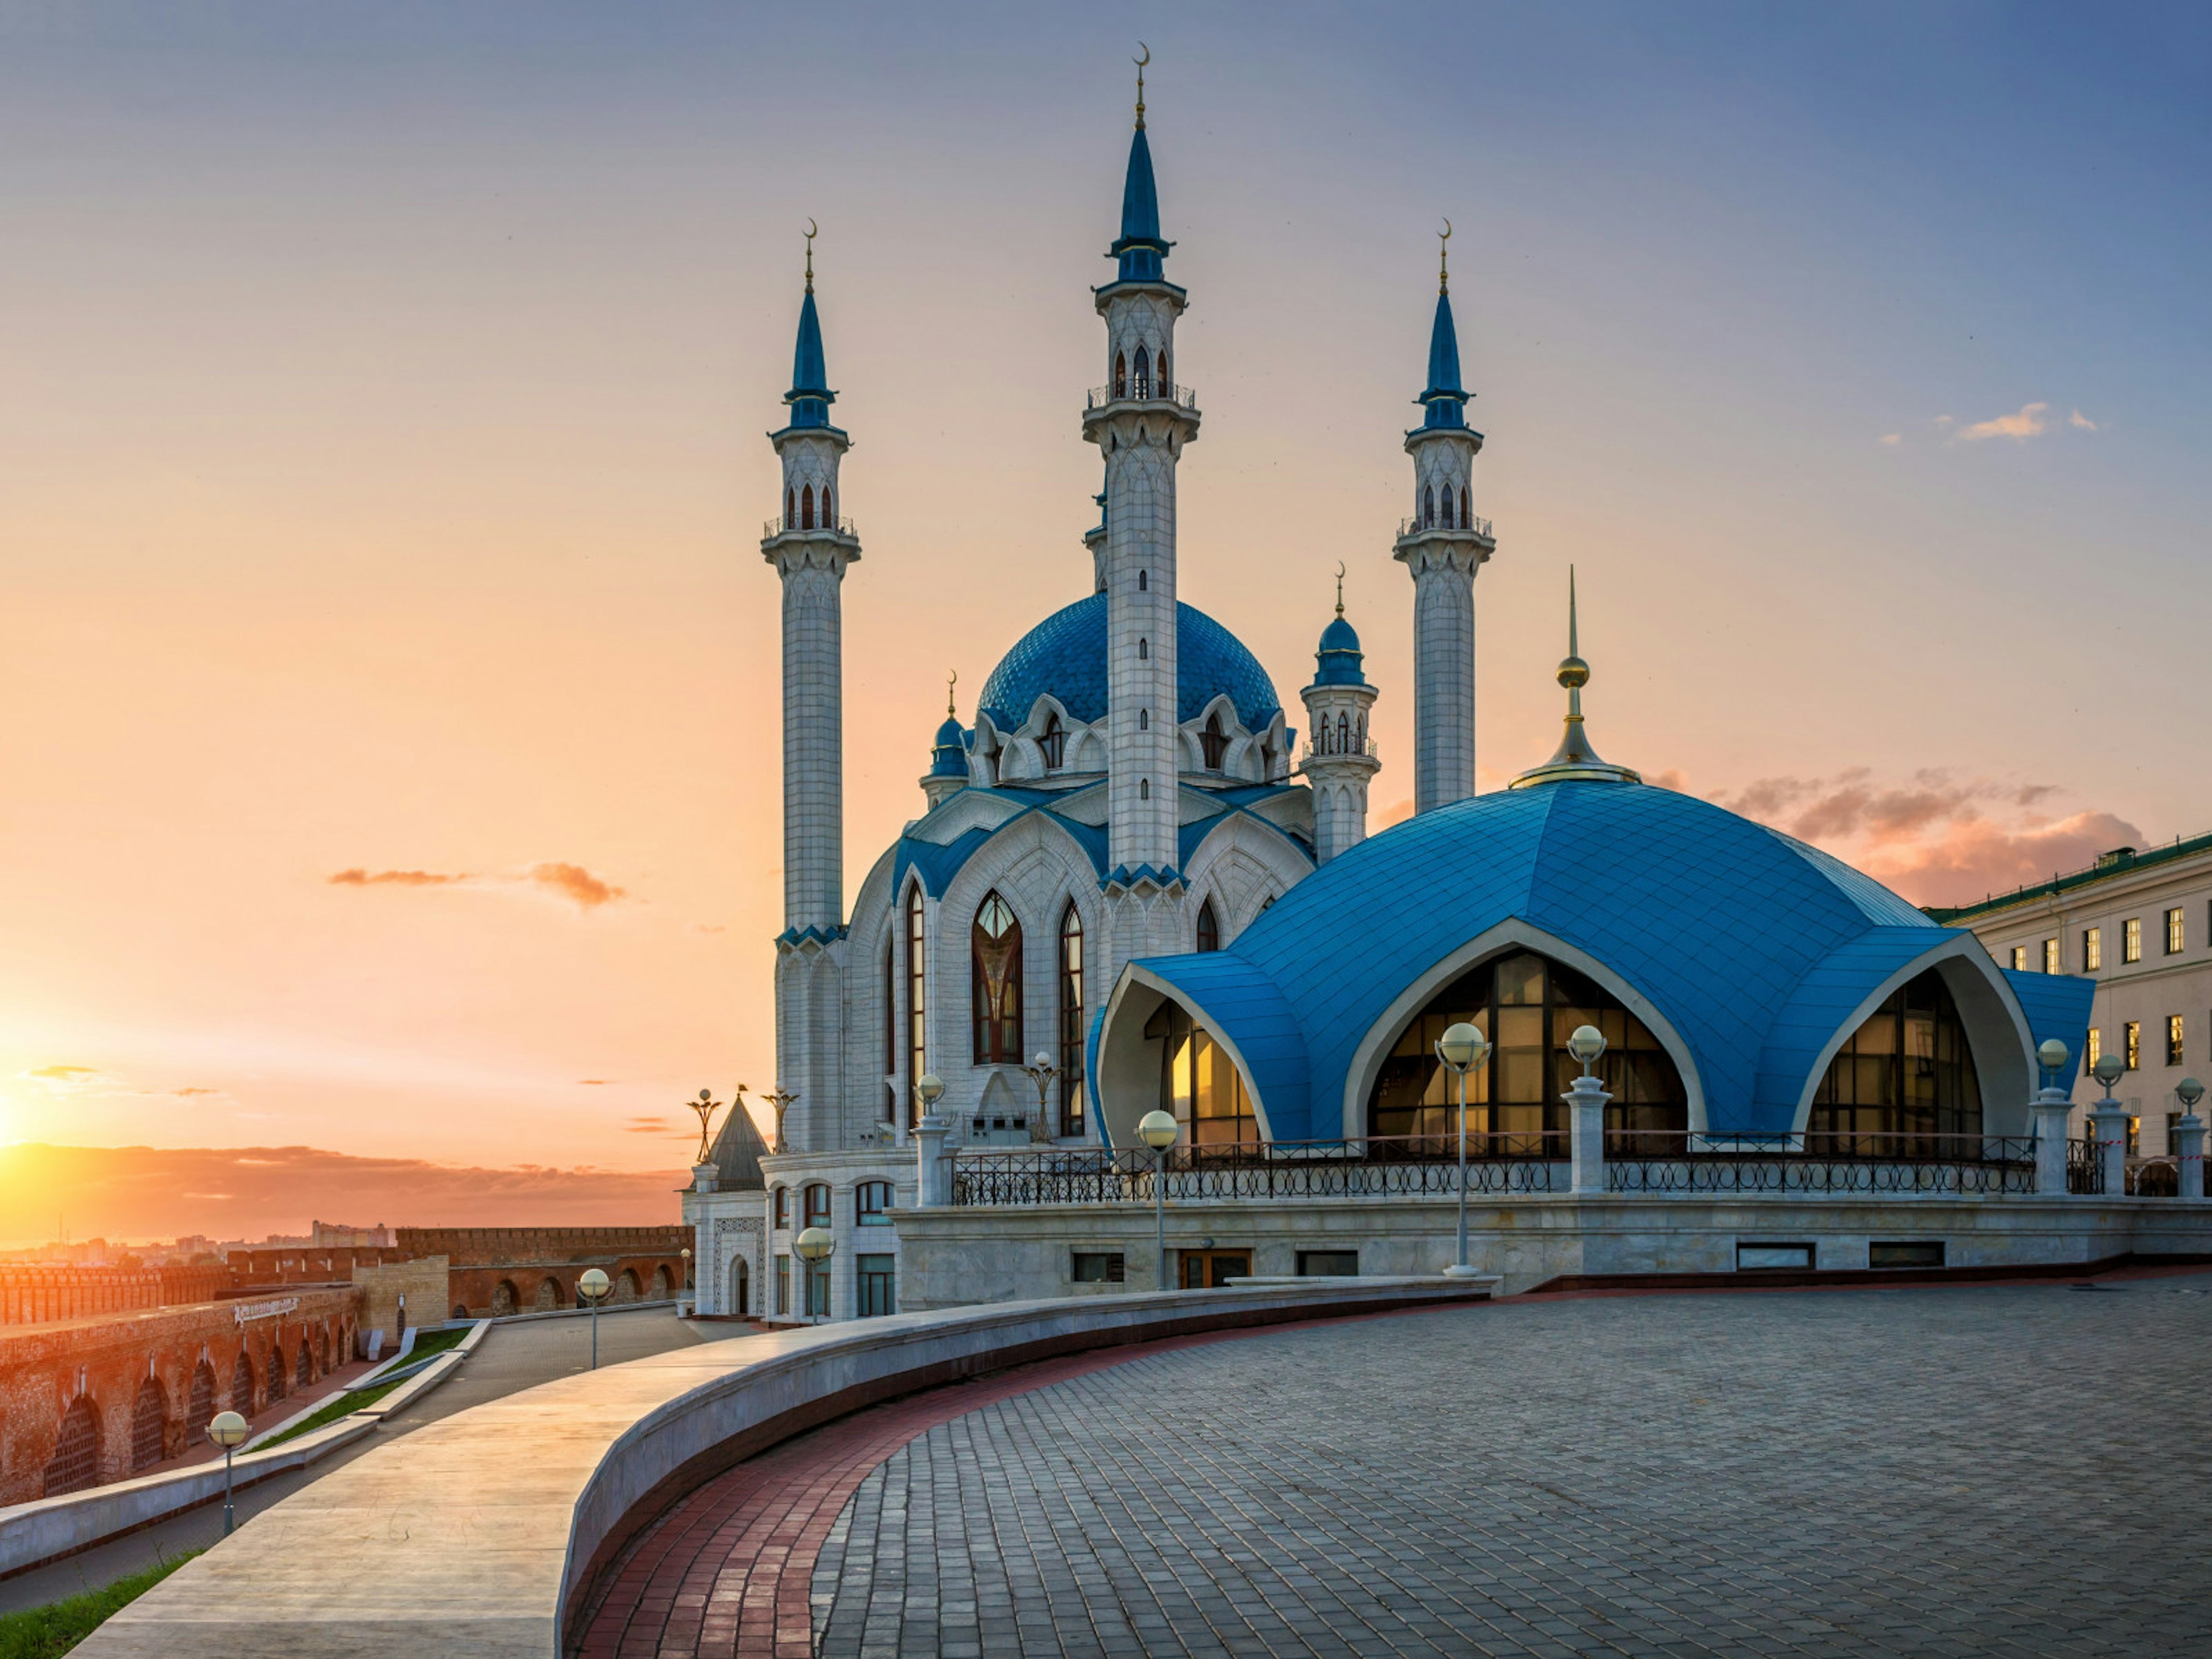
pixel 1752 946
pixel 1339 659
pixel 1066 655
pixel 1444 393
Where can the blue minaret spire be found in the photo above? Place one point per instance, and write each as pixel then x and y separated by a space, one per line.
pixel 1445 396
pixel 1140 249
pixel 810 396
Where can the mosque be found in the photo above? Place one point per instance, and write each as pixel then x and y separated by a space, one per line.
pixel 1136 887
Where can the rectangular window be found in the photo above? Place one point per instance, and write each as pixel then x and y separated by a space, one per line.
pixel 2134 1136
pixel 1905 1253
pixel 2093 949
pixel 2174 941
pixel 2131 940
pixel 783 1207
pixel 1756 1258
pixel 2132 1034
pixel 2094 1051
pixel 2050 955
pixel 2175 1052
pixel 872 1204
pixel 2019 958
pixel 875 1291
pixel 1096 1267
pixel 1328 1264
pixel 783 1285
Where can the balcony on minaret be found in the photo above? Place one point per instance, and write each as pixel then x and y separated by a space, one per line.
pixel 835 529
pixel 1141 389
pixel 1439 523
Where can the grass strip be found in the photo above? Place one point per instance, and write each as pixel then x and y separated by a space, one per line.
pixel 55 1628
pixel 342 1405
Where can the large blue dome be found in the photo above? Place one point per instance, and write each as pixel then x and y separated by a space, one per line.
pixel 1754 948
pixel 1066 655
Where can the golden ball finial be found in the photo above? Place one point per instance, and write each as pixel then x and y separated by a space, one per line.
pixel 1574 673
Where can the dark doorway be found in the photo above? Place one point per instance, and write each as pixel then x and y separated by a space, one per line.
pixel 1205 1270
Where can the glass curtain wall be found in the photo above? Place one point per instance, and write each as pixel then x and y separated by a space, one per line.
pixel 1199 1084
pixel 1906 1075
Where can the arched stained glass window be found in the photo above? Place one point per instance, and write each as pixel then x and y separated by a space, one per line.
pixel 1071 1019
pixel 995 948
pixel 1905 1076
pixel 1209 926
pixel 1054 742
pixel 1527 1007
pixel 1213 742
pixel 917 1011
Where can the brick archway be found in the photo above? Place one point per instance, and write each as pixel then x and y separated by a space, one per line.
pixel 76 1463
pixel 149 1426
pixel 241 1384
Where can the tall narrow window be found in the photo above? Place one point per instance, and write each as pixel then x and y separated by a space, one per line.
pixel 2019 958
pixel 1144 720
pixel 891 1034
pixel 1209 928
pixel 1428 508
pixel 2131 940
pixel 2093 1050
pixel 2050 955
pixel 1213 742
pixel 1167 389
pixel 2174 940
pixel 806 507
pixel 829 519
pixel 1343 735
pixel 2092 950
pixel 1071 1021
pixel 2176 1050
pixel 1143 650
pixel 1144 373
pixel 1466 521
pixel 1054 742
pixel 2131 1033
pixel 1144 581
pixel 790 507
pixel 995 948
pixel 1144 788
pixel 917 1011
pixel 1121 375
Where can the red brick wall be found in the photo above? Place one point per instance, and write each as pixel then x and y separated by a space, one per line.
pixel 301 1266
pixel 34 1295
pixel 45 1369
pixel 502 1270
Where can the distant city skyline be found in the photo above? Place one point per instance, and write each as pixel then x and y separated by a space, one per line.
pixel 389 731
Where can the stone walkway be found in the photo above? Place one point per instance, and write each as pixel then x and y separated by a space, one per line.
pixel 1957 1471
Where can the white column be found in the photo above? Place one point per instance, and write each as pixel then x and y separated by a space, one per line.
pixel 933 1184
pixel 2049 1112
pixel 2108 1122
pixel 1586 1102
pixel 2189 1153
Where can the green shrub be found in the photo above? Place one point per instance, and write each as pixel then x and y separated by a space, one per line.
pixel 44 1632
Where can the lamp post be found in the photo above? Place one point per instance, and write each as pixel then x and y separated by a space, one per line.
pixel 2051 1107
pixel 814 1246
pixel 2109 1120
pixel 1040 1072
pixel 1459 1050
pixel 2189 1135
pixel 707 1106
pixel 780 1098
pixel 592 1286
pixel 1586 1101
pixel 228 1431
pixel 686 1253
pixel 1159 1130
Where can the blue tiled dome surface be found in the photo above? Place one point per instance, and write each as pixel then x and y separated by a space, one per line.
pixel 1066 655
pixel 1754 947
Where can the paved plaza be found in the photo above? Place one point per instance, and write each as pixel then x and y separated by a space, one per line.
pixel 2011 1470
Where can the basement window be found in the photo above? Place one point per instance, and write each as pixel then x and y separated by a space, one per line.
pixel 1096 1267
pixel 1905 1253
pixel 1772 1258
pixel 1328 1264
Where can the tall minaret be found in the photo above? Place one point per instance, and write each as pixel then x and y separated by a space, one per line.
pixel 810 545
pixel 1141 420
pixel 1442 546
pixel 1340 758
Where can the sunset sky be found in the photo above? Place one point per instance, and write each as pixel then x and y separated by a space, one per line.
pixel 389 714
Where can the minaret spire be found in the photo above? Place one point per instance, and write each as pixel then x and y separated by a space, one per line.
pixel 1575 759
pixel 1140 63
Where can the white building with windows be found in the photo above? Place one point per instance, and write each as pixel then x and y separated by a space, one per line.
pixel 2138 922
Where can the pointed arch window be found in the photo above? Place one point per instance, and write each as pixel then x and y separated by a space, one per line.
pixel 1071 1020
pixel 790 507
pixel 828 521
pixel 1144 720
pixel 1121 375
pixel 917 1008
pixel 1465 520
pixel 1428 506
pixel 1144 581
pixel 1144 788
pixel 1054 742
pixel 1213 742
pixel 890 1032
pixel 995 949
pixel 806 507
pixel 1167 388
pixel 1144 373
pixel 1343 735
pixel 1209 926
pixel 1143 651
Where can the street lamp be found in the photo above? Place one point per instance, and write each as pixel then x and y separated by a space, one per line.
pixel 813 1247
pixel 780 1099
pixel 228 1431
pixel 686 1253
pixel 707 1106
pixel 1040 1072
pixel 1159 1130
pixel 2051 1055
pixel 1461 1049
pixel 592 1286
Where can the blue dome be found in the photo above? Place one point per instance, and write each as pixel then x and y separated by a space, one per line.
pixel 1338 660
pixel 948 759
pixel 1754 948
pixel 1066 655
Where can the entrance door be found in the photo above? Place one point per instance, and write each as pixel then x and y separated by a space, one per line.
pixel 1211 1269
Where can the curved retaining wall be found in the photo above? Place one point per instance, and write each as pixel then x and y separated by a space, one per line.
pixel 482 1534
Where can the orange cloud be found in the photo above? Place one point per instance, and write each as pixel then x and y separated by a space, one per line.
pixel 572 881
pixel 64 1073
pixel 568 881
pixel 2027 422
pixel 362 878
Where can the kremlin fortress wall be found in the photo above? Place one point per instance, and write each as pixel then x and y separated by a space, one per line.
pixel 108 1372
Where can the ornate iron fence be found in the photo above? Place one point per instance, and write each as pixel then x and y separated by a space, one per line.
pixel 1675 1162
pixel 2085 1169
pixel 1416 1166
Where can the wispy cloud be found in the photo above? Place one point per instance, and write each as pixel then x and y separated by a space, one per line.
pixel 2024 422
pixel 2080 422
pixel 64 1073
pixel 1892 439
pixel 646 1126
pixel 594 1082
pixel 572 882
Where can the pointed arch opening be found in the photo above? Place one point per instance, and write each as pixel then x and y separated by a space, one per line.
pixel 1428 506
pixel 790 507
pixel 1213 742
pixel 1144 387
pixel 1071 1020
pixel 1466 522
pixel 1904 1078
pixel 1209 926
pixel 1121 375
pixel 149 1425
pixel 829 519
pixel 806 507
pixel 995 955
pixel 917 1003
pixel 1054 742
pixel 74 1464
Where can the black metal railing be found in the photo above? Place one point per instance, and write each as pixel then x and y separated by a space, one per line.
pixel 1139 391
pixel 1657 1161
pixel 822 522
pixel 2085 1169
pixel 1415 526
pixel 1379 1167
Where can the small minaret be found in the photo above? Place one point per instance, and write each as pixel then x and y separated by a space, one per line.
pixel 1141 420
pixel 948 759
pixel 1443 545
pixel 810 547
pixel 1340 758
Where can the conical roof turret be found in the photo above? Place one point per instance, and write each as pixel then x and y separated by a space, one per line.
pixel 1445 396
pixel 1140 247
pixel 810 396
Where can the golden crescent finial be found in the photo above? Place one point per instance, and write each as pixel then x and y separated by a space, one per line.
pixel 1444 259
pixel 1339 587
pixel 948 684
pixel 812 231
pixel 1141 63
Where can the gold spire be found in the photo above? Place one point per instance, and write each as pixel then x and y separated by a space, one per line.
pixel 948 684
pixel 1444 259
pixel 1575 759
pixel 1339 587
pixel 812 231
pixel 1140 63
